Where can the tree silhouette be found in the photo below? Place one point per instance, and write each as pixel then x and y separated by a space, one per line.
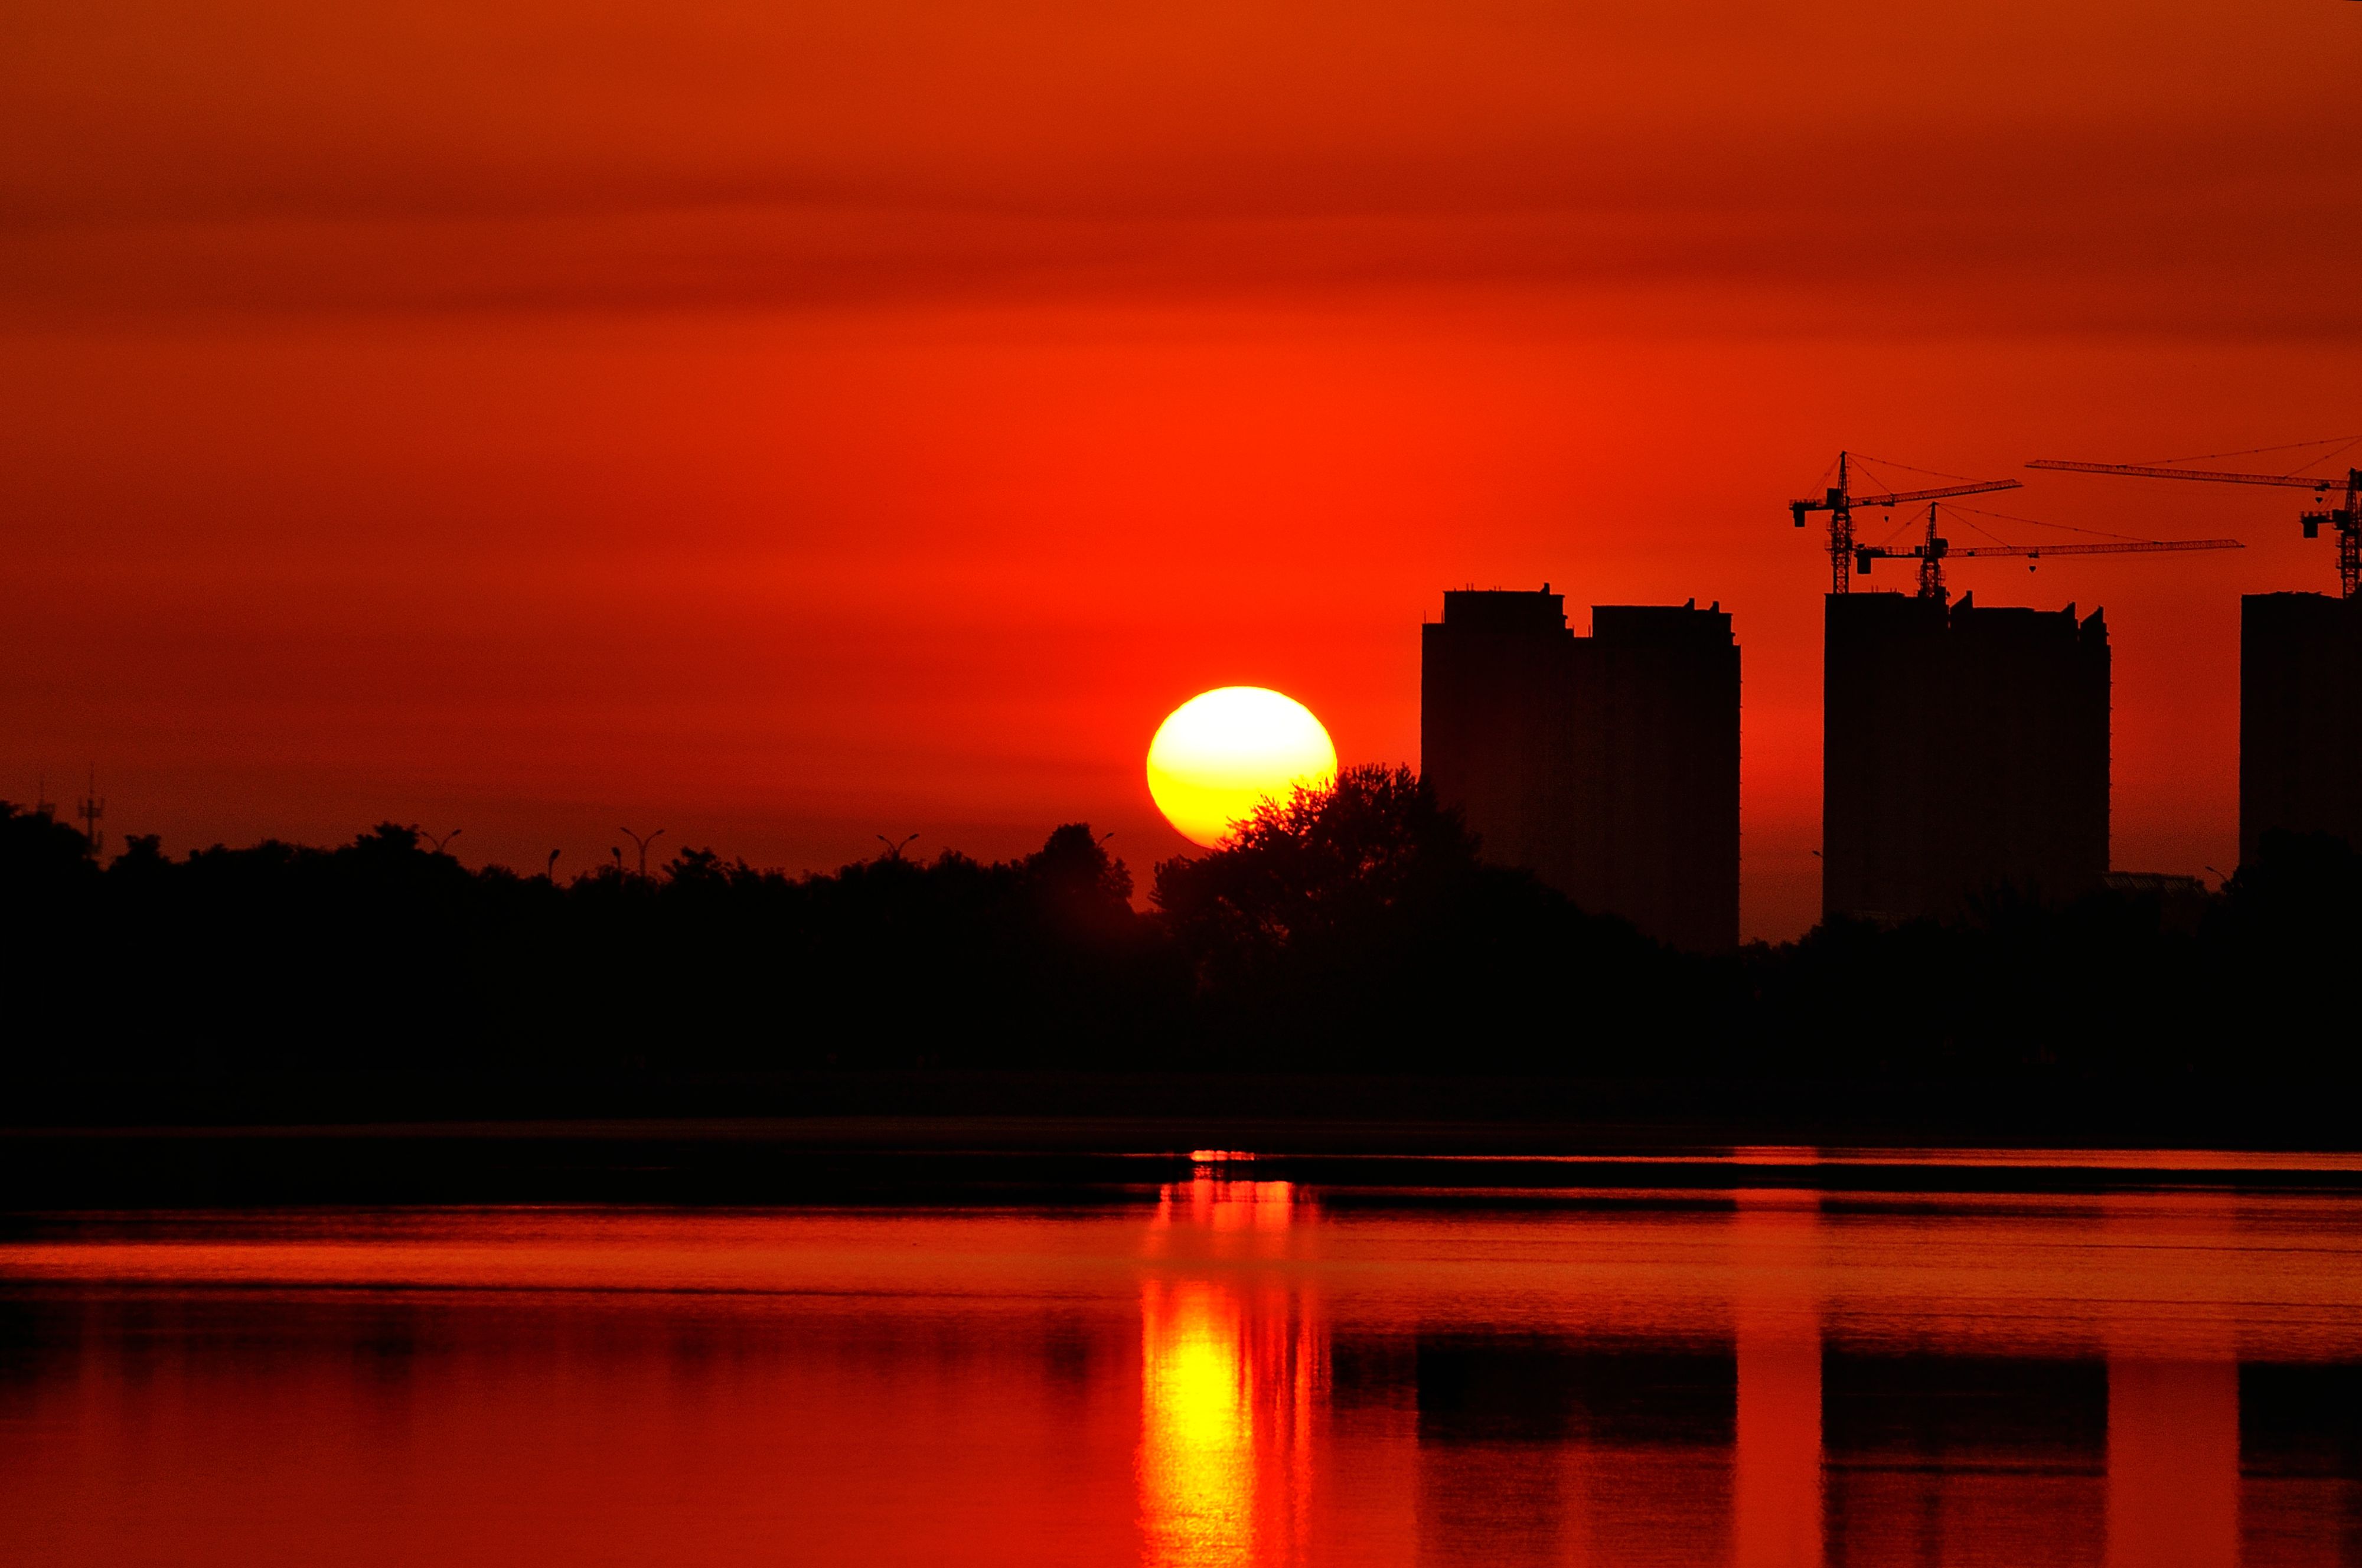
pixel 1357 926
pixel 1347 930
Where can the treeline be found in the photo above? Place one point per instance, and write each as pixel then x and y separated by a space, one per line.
pixel 1355 930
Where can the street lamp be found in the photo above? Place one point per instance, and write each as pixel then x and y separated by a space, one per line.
pixel 643 844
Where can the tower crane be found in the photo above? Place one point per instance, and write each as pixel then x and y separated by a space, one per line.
pixel 2346 519
pixel 1839 505
pixel 1931 553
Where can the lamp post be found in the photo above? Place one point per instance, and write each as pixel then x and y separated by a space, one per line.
pixel 643 844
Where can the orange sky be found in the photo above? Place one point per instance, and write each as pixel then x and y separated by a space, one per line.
pixel 784 424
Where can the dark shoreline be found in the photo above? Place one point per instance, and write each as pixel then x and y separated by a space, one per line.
pixel 958 1136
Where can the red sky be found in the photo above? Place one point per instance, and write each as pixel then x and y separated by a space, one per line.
pixel 784 424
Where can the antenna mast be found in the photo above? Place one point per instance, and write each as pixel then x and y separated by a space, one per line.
pixel 91 811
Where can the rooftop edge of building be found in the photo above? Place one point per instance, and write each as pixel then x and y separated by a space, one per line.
pixel 1659 623
pixel 1505 609
pixel 1527 610
pixel 1965 615
pixel 2319 609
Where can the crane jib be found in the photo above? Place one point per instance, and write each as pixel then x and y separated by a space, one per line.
pixel 2346 519
pixel 2350 480
pixel 1838 500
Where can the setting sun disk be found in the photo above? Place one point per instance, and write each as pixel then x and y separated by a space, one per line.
pixel 1221 755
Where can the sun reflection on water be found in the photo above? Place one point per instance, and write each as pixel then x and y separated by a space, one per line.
pixel 1212 1202
pixel 1230 1369
pixel 1197 1443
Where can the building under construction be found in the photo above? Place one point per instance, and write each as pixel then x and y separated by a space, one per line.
pixel 1607 765
pixel 2300 659
pixel 2299 717
pixel 1963 749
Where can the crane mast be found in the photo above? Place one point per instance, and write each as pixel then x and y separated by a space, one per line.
pixel 1932 552
pixel 1839 502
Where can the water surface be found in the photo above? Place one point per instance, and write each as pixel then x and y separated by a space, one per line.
pixel 1213 1371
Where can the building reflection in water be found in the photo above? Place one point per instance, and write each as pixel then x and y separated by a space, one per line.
pixel 2173 1463
pixel 1232 1366
pixel 2173 1393
pixel 1551 1449
pixel 1814 1433
pixel 1776 1326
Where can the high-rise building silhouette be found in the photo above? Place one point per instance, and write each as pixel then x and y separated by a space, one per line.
pixel 1607 765
pixel 2299 717
pixel 1964 749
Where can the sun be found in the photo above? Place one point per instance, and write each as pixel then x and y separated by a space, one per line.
pixel 1221 755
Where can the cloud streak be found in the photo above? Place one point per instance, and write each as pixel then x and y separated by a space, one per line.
pixel 2150 168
